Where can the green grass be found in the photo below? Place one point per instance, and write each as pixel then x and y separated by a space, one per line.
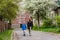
pixel 6 35
pixel 54 30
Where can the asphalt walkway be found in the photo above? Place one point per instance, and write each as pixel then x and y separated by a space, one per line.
pixel 36 35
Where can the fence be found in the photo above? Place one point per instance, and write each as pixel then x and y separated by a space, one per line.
pixel 3 26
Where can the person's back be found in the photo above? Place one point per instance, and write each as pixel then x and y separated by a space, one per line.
pixel 23 28
pixel 29 25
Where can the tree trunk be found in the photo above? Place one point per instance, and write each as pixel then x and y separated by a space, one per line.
pixel 38 20
pixel 9 24
pixel 1 17
pixel 38 24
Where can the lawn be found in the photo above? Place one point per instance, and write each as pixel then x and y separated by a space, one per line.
pixel 6 35
pixel 54 30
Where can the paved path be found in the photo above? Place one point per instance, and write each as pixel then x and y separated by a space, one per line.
pixel 36 35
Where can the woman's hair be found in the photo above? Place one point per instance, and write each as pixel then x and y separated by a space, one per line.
pixel 29 20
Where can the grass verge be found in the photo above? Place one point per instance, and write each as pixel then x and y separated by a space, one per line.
pixel 6 35
pixel 54 30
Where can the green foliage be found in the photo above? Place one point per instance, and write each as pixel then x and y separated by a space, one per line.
pixel 35 27
pixel 41 7
pixel 54 30
pixel 47 23
pixel 17 1
pixel 44 29
pixel 57 19
pixel 8 9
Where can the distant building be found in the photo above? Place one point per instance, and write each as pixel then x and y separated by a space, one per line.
pixel 57 10
pixel 23 17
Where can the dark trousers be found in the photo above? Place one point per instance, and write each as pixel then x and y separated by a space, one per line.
pixel 29 31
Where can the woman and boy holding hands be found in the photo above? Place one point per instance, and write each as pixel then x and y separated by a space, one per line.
pixel 29 25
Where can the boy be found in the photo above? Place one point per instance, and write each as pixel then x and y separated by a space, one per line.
pixel 24 28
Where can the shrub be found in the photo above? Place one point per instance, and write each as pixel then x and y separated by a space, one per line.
pixel 57 19
pixel 47 23
pixel 35 27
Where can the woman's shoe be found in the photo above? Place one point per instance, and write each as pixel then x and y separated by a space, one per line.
pixel 29 34
pixel 24 35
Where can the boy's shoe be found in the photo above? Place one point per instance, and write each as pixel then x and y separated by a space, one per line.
pixel 24 35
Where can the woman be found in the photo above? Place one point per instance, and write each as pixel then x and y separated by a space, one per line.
pixel 30 25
